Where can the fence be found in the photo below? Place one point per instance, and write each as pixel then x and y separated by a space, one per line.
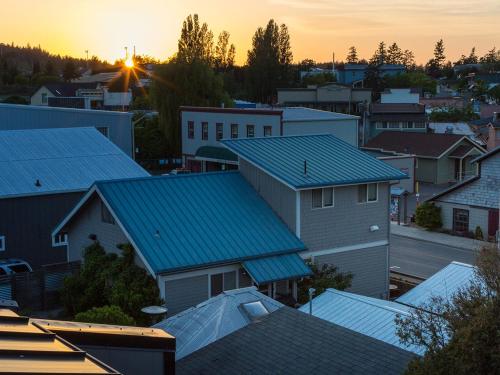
pixel 40 289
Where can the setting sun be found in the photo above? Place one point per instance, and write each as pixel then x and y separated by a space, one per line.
pixel 129 63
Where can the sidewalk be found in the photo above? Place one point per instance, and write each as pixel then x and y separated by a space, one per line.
pixel 439 238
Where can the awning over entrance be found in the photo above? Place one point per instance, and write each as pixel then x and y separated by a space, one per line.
pixel 275 268
pixel 214 153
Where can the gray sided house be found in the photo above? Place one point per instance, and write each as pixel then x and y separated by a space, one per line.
pixel 334 197
pixel 441 158
pixel 197 234
pixel 203 129
pixel 116 126
pixel 474 202
pixel 43 174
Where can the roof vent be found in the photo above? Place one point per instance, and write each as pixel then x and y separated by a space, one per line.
pixel 157 234
pixel 305 167
pixel 37 183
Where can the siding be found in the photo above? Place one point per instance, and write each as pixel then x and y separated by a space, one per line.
pixel 181 294
pixel 426 170
pixel 368 266
pixel 88 221
pixel 403 163
pixel 27 224
pixel 280 197
pixel 478 217
pixel 119 124
pixel 345 224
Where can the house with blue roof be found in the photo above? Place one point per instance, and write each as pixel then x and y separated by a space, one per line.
pixel 197 234
pixel 333 196
pixel 43 174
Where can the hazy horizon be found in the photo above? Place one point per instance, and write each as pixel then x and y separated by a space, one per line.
pixel 317 28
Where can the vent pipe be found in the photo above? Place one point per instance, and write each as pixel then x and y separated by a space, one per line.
pixel 38 183
pixel 311 294
pixel 305 167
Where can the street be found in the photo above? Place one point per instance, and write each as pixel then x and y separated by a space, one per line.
pixel 422 258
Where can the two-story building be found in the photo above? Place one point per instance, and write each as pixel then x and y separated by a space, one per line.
pixel 294 198
pixel 333 97
pixel 474 202
pixel 354 74
pixel 203 128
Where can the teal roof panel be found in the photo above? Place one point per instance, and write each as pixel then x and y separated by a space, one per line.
pixel 275 268
pixel 310 161
pixel 197 220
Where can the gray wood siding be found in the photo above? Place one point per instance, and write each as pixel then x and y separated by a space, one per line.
pixel 27 224
pixel 88 221
pixel 280 197
pixel 478 217
pixel 368 266
pixel 347 223
pixel 181 294
pixel 426 170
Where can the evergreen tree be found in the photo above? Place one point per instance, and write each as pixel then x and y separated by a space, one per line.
pixel 70 71
pixel 439 56
pixel 394 54
pixel 408 60
pixel 50 68
pixel 352 56
pixel 379 57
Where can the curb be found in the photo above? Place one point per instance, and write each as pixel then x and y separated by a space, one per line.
pixel 462 247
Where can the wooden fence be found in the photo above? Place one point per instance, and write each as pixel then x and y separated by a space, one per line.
pixel 40 289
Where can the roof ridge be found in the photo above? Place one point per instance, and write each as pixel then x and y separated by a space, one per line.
pixel 364 299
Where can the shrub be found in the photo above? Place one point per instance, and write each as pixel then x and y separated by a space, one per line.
pixel 478 233
pixel 428 216
pixel 105 315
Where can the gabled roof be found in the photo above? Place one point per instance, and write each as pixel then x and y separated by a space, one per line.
pixel 45 161
pixel 28 348
pixel 430 145
pixel 213 319
pixel 369 316
pixel 288 341
pixel 196 220
pixel 445 283
pixel 329 161
pixel 68 89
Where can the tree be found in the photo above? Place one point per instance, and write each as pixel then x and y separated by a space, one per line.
pixel 408 60
pixel 70 71
pixel 412 79
pixel 105 315
pixel 379 56
pixel 322 278
pixel 461 335
pixel 109 279
pixel 306 65
pixel 179 83
pixel 269 61
pixel 394 54
pixel 352 56
pixel 439 56
pixel 224 53
pixel 428 216
pixel 195 42
pixel 50 69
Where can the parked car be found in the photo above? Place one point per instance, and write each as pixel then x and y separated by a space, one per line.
pixel 10 266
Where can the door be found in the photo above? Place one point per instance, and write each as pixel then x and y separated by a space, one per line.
pixel 493 218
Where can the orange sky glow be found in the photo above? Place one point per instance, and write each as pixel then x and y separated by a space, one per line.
pixel 318 28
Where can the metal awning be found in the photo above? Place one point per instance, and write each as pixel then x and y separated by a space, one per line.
pixel 213 153
pixel 276 268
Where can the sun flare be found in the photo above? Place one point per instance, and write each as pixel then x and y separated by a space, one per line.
pixel 129 63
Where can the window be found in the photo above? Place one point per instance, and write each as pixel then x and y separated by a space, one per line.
pixel 367 193
pixel 419 125
pixel 234 130
pixel 191 129
pixel 409 124
pixel 250 131
pixel 268 131
pixel 204 131
pixel 220 282
pixel 393 124
pixel 322 198
pixel 44 98
pixel 2 243
pixel 460 220
pixel 61 239
pixel 103 130
pixel 254 310
pixel 106 216
pixel 381 124
pixel 219 131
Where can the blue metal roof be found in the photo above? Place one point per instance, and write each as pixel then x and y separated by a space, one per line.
pixel 329 160
pixel 278 267
pixel 444 283
pixel 189 221
pixel 61 160
pixel 370 316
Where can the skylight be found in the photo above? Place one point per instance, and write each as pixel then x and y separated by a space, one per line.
pixel 255 310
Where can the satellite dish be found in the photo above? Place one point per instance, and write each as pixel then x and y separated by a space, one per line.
pixel 154 310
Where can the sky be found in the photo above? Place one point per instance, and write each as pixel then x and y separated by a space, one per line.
pixel 318 28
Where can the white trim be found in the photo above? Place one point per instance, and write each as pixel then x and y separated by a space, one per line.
pixel 457 142
pixel 368 201
pixel 368 245
pixel 221 161
pixel 201 272
pixel 297 214
pixel 2 243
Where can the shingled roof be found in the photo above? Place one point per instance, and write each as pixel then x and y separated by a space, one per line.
pixel 421 144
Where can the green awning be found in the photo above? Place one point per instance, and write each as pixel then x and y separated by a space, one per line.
pixel 216 153
pixel 276 268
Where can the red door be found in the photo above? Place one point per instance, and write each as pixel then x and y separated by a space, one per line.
pixel 492 222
